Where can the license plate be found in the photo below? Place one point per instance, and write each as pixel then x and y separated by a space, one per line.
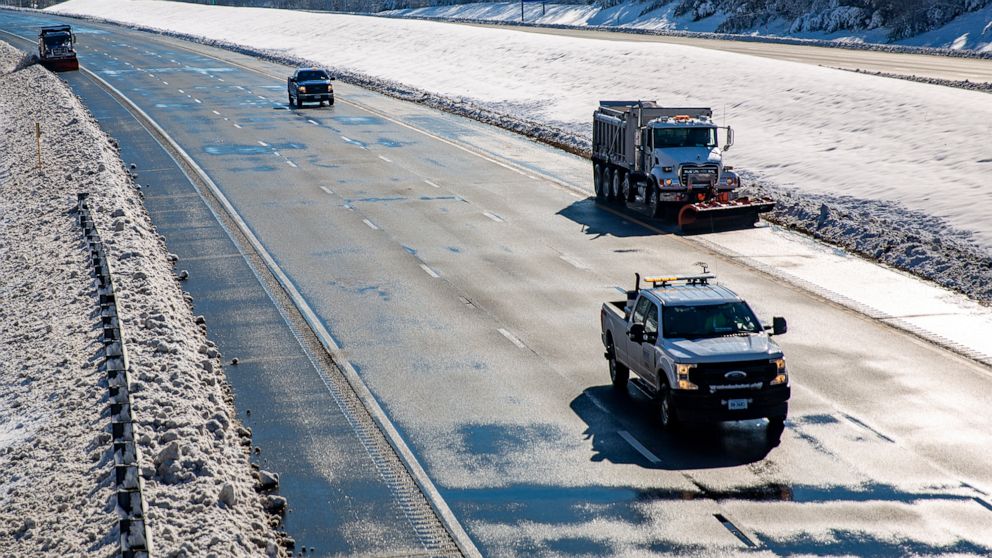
pixel 737 404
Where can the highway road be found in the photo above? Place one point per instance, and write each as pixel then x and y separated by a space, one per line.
pixel 906 64
pixel 460 269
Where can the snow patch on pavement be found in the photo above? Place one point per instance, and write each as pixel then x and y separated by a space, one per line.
pixel 56 459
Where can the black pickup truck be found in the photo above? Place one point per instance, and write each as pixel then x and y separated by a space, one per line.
pixel 310 85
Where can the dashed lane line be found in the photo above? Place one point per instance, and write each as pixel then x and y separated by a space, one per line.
pixel 370 224
pixel 385 159
pixel 493 216
pixel 290 163
pixel 431 183
pixel 651 457
pixel 429 271
pixel 327 190
pixel 512 338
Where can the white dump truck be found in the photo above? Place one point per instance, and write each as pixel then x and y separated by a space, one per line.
pixel 669 160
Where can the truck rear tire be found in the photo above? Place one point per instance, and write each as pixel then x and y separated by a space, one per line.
pixel 627 189
pixel 666 410
pixel 615 194
pixel 598 182
pixel 619 374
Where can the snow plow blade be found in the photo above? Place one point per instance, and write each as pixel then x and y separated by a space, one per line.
pixel 61 65
pixel 718 215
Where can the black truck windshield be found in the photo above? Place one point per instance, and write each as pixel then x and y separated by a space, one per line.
pixel 311 76
pixel 711 320
pixel 684 137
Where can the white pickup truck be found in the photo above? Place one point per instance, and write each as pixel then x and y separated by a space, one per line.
pixel 699 350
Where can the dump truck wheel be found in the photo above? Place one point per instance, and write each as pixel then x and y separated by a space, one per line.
pixel 615 193
pixel 628 188
pixel 597 182
pixel 654 204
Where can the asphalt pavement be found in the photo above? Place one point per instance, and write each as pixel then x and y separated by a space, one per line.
pixel 461 270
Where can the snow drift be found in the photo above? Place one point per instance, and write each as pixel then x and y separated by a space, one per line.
pixel 55 453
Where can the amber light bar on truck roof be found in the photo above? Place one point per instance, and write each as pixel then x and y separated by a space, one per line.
pixel 666 280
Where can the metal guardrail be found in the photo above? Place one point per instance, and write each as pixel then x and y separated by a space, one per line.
pixel 135 541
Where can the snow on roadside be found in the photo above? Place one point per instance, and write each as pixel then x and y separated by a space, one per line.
pixel 55 453
pixel 968 33
pixel 807 132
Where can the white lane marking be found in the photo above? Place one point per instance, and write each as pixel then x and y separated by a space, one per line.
pixel 276 153
pixel 493 216
pixel 532 177
pixel 219 79
pixel 513 338
pixel 226 119
pixel 261 97
pixel 639 447
pixel 262 143
pixel 198 101
pixel 239 87
pixel 346 138
pixel 348 207
pixel 572 262
pixel 290 163
pixel 327 190
pixel 215 112
pixel 385 159
pixel 429 271
pixel 165 82
pixel 181 91
pixel 370 224
pixel 431 183
pixel 314 122
pixel 237 126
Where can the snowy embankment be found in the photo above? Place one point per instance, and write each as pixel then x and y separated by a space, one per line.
pixel 56 458
pixel 968 33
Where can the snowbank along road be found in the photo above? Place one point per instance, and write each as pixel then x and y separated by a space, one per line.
pixel 472 318
pixel 57 460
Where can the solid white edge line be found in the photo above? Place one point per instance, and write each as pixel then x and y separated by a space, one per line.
pixel 429 271
pixel 417 472
pixel 370 224
pixel 512 338
pixel 639 447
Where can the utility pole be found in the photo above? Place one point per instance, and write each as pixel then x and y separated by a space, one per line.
pixel 521 11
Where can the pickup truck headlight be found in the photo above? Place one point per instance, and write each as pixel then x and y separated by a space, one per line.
pixel 682 376
pixel 782 375
pixel 301 89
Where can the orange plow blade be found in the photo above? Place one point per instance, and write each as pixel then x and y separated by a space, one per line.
pixel 716 215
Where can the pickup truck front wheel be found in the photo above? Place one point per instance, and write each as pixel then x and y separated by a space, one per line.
pixel 666 410
pixel 619 374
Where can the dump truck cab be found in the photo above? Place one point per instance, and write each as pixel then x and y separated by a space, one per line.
pixel 686 159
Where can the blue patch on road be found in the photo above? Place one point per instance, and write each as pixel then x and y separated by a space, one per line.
pixel 235 149
pixel 389 143
pixel 358 120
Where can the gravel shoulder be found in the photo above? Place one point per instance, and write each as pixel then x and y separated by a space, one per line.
pixel 56 456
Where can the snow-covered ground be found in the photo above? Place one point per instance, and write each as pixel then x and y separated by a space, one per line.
pixel 800 128
pixel 56 459
pixel 972 31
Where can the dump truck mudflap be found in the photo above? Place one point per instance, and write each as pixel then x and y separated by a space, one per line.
pixel 720 215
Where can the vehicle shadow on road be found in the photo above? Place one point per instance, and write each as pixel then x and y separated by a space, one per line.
pixel 601 220
pixel 691 447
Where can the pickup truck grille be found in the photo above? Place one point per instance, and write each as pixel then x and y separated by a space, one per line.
pixel 317 88
pixel 720 375
pixel 698 173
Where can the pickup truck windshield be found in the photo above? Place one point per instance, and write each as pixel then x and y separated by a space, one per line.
pixel 713 320
pixel 312 75
pixel 684 137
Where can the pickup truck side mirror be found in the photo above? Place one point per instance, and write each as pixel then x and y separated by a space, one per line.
pixel 636 333
pixel 779 326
